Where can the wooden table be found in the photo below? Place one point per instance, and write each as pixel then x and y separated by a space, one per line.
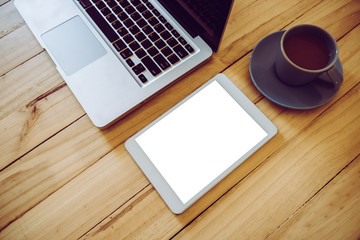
pixel 62 178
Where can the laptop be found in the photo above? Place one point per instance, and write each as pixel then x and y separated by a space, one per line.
pixel 116 54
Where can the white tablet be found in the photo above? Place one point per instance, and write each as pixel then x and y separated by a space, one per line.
pixel 195 144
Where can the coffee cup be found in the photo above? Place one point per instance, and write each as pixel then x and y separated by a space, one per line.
pixel 306 52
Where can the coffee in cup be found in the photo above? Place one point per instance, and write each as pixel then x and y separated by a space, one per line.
pixel 306 52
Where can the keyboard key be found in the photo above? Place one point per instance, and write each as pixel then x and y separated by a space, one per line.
pixel 85 3
pixel 147 14
pixel 140 53
pixel 140 8
pixel 123 3
pixel 134 45
pixel 165 35
pixel 126 53
pixel 130 9
pixel 159 28
pixel 102 24
pixel 173 59
pixel 151 66
pixel 134 29
pixel 140 37
pixel 153 21
pixel 122 31
pixel 111 3
pixel 119 45
pixel 146 44
pixel 154 36
pixel 180 51
pixel 111 17
pixel 172 42
pixel 175 33
pixel 116 24
pixel 152 51
pixel 169 26
pixel 128 38
pixel 150 6
pixel 105 11
pixel 156 12
pixel 166 51
pixel 182 40
pixel 162 19
pixel 122 15
pixel 142 78
pixel 162 62
pixel 189 48
pixel 138 69
pixel 135 16
pixel 128 23
pixel 117 9
pixel 141 23
pixel 100 5
pixel 147 29
pixel 135 2
pixel 160 44
pixel 130 62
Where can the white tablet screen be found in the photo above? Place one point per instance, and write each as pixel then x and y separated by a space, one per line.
pixel 199 140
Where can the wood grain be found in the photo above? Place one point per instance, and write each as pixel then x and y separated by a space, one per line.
pixel 62 178
pixel 325 218
pixel 10 19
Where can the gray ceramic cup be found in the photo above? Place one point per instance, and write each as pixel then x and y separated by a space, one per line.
pixel 292 73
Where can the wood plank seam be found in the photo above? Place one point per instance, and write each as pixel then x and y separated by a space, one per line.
pixel 19 25
pixel 348 32
pixel 32 149
pixel 5 3
pixel 15 67
pixel 312 197
pixel 126 210
pixel 300 16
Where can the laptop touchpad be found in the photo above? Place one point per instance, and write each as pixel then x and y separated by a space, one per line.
pixel 73 45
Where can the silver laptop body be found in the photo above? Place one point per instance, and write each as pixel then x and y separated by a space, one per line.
pixel 97 74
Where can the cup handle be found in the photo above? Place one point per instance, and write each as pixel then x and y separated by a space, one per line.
pixel 334 75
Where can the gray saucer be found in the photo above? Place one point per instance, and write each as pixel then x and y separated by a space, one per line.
pixel 262 72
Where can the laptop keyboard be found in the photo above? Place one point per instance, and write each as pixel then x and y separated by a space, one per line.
pixel 145 40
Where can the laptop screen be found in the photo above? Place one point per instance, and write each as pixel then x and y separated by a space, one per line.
pixel 206 18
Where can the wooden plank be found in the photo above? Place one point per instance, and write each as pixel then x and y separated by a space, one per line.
pixel 61 163
pixel 334 213
pixel 131 181
pixel 17 47
pixel 10 18
pixel 26 83
pixel 26 110
pixel 4 1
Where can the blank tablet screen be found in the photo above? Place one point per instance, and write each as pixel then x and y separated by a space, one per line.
pixel 199 140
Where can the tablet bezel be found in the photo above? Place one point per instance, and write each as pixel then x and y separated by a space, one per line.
pixel 155 177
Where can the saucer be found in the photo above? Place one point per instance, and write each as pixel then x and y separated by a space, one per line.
pixel 262 71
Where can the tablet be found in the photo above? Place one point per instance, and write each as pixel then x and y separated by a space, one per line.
pixel 194 145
